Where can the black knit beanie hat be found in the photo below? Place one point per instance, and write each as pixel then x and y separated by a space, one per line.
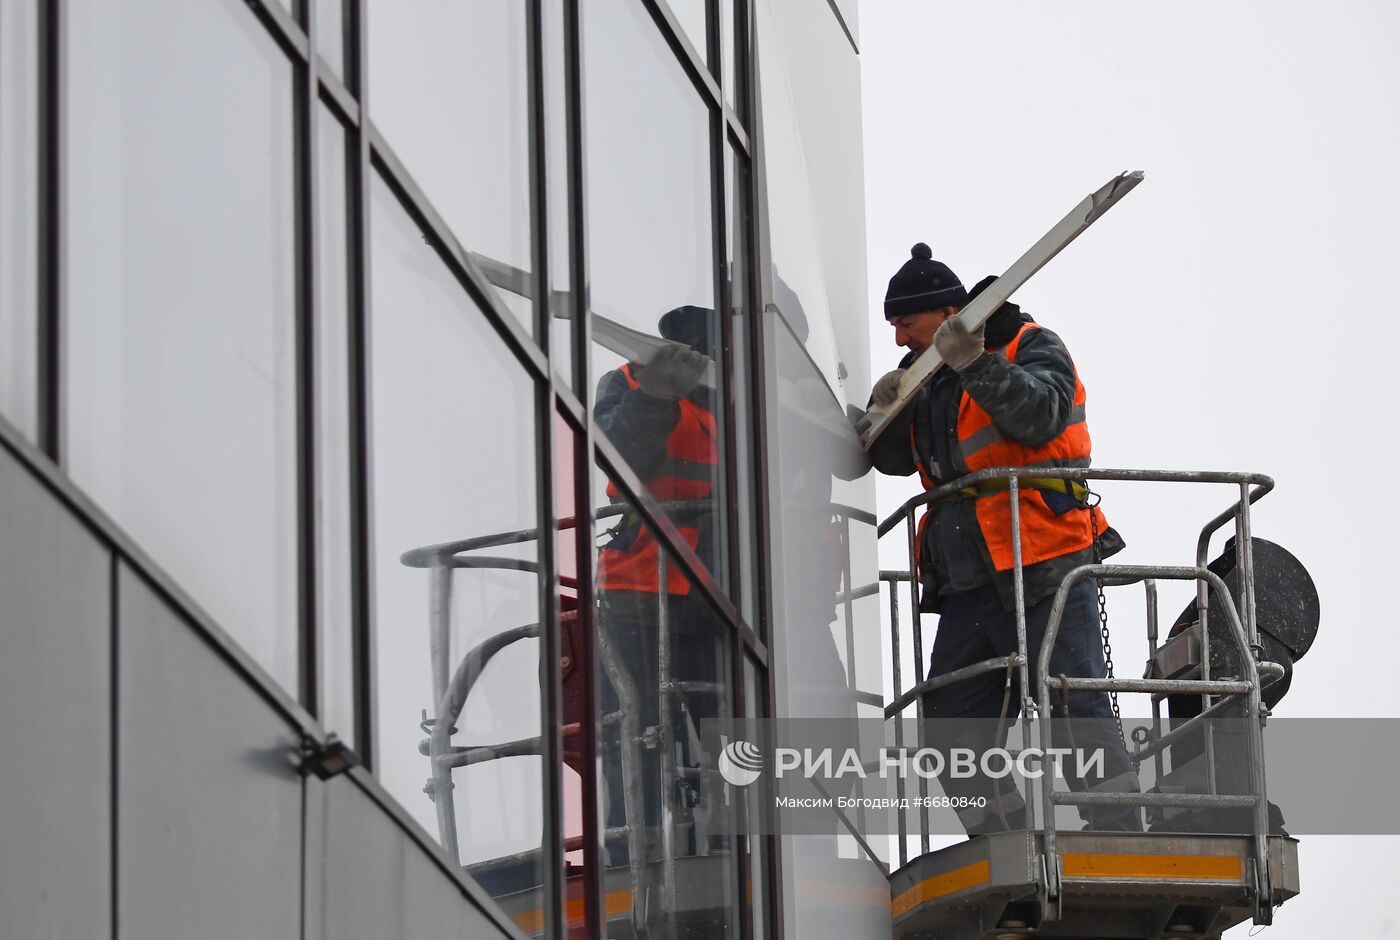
pixel 922 284
pixel 691 325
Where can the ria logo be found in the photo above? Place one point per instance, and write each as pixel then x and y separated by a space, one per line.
pixel 740 763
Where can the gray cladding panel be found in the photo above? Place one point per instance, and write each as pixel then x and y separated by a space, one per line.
pixel 434 907
pixel 210 803
pixel 361 864
pixel 375 882
pixel 55 775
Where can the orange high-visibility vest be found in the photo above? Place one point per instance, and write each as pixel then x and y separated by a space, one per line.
pixel 1044 534
pixel 687 472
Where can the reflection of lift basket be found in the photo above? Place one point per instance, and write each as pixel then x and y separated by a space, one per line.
pixel 665 876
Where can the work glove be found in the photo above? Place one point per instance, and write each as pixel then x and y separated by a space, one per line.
pixel 886 390
pixel 674 371
pixel 957 345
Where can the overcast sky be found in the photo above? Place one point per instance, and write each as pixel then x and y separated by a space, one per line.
pixel 1231 313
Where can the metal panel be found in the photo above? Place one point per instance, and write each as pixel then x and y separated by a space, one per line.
pixel 55 696
pixel 314 853
pixel 434 908
pixel 370 881
pixel 209 799
pixel 360 866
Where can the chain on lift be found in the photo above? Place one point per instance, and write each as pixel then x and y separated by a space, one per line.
pixel 1092 500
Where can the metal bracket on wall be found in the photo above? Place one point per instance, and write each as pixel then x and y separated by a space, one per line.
pixel 326 759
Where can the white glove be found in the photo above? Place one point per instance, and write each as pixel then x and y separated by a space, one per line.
pixel 886 390
pixel 957 345
pixel 674 371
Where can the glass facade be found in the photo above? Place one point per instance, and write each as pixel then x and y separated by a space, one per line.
pixel 665 659
pixel 427 356
pixel 454 469
pixel 181 303
pixel 19 214
pixel 656 337
pixel 824 577
pixel 693 17
pixel 799 277
pixel 729 27
pixel 448 88
pixel 572 551
pixel 809 92
pixel 332 37
pixel 560 313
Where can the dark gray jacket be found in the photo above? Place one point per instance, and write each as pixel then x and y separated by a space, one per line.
pixel 638 425
pixel 1031 401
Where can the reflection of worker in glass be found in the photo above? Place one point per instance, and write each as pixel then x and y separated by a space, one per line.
pixel 811 455
pixel 662 419
pixel 1010 397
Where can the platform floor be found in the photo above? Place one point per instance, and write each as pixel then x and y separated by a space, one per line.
pixel 1115 886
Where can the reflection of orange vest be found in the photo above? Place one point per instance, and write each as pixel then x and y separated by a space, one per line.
pixel 687 472
pixel 1044 533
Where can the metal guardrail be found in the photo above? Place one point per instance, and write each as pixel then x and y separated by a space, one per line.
pixel 1249 688
pixel 451 689
pixel 1241 612
pixel 451 696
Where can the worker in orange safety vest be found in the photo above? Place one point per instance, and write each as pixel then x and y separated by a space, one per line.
pixel 1011 397
pixel 661 417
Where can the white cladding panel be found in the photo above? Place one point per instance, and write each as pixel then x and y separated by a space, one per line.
pixel 809 81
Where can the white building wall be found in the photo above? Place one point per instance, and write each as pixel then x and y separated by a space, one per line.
pixel 827 652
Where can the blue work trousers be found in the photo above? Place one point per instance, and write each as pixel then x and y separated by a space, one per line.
pixel 975 626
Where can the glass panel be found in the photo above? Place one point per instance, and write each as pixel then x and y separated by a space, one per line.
pixel 814 452
pixel 455 561
pixel 815 461
pixel 181 293
pixel 574 788
pixel 562 327
pixel 800 275
pixel 334 581
pixel 665 671
pixel 728 43
pixel 694 23
pixel 758 800
pixel 652 272
pixel 449 86
pixel 332 34
pixel 19 213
